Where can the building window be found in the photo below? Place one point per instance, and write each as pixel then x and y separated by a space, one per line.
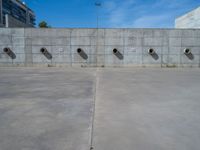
pixel 16 11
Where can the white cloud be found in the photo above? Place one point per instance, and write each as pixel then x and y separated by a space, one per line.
pixel 117 11
pixel 136 13
pixel 151 21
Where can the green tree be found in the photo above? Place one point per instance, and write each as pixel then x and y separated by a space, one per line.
pixel 43 24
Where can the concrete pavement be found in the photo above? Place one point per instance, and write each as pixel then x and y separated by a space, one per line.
pixel 135 109
pixel 45 109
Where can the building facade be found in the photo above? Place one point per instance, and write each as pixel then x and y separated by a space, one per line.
pixel 189 20
pixel 14 13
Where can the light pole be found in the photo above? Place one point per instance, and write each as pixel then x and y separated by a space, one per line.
pixel 97 4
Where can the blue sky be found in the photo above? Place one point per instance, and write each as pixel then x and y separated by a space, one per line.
pixel 112 13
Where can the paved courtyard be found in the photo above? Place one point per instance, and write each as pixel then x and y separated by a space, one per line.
pixel 107 109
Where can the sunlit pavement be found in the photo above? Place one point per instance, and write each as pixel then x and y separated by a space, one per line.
pixel 115 109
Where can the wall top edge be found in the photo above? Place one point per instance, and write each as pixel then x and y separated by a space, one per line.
pixel 104 28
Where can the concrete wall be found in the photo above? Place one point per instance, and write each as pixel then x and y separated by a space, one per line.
pixel 189 20
pixel 133 44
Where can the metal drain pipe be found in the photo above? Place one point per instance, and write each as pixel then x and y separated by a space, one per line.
pixel 151 51
pixel 82 53
pixel 9 52
pixel 187 51
pixel 45 52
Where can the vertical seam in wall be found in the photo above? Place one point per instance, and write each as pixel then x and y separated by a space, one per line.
pixel 123 47
pixel 31 47
pixel 180 55
pixel 168 51
pixel 11 37
pixel 161 54
pixel 51 46
pixel 91 53
pixel 142 47
pixel 70 35
pixel 97 42
pixel 24 48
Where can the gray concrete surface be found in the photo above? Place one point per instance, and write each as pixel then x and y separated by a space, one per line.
pixel 45 109
pixel 98 44
pixel 140 109
pixel 135 109
pixel 189 20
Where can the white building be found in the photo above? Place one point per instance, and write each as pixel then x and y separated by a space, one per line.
pixel 189 20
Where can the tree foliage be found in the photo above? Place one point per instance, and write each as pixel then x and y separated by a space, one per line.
pixel 43 24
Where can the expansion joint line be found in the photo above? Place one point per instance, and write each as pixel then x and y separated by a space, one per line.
pixel 96 83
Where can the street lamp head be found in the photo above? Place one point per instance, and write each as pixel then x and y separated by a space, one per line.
pixel 97 4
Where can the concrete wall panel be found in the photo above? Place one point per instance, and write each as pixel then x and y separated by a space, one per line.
pixel 36 41
pixel 82 41
pixel 132 41
pixel 175 33
pixel 173 60
pixel 133 33
pixel 117 33
pixel 17 41
pixel 41 59
pixel 83 32
pixel 17 32
pixel 114 41
pixel 60 41
pixel 175 41
pixel 133 56
pixel 153 41
pixel 46 32
pixel 6 40
pixel 5 31
pixel 190 41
